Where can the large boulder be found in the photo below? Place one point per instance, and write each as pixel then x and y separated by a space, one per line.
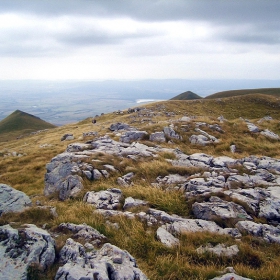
pixel 19 249
pixel 12 200
pixel 110 262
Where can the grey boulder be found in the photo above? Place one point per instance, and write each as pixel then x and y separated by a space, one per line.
pixel 12 200
pixel 21 248
pixel 110 262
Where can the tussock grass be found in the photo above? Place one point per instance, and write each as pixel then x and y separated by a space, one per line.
pixel 256 259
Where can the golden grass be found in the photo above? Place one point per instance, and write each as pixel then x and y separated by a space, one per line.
pixel 256 260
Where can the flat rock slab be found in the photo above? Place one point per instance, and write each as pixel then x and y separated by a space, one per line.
pixel 12 200
pixel 21 248
pixel 219 250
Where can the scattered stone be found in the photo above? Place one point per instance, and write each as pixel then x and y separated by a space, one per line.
pixel 266 118
pixel 133 136
pixel 199 140
pixel 157 137
pixel 269 134
pixel 21 248
pixel 231 276
pixel 12 200
pixel 219 250
pixel 185 119
pixel 90 133
pixel 109 199
pixel 252 127
pixel 119 126
pixel 125 181
pixel 131 202
pixel 171 133
pixel 167 238
pixel 67 137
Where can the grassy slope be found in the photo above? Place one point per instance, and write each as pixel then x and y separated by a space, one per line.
pixel 19 123
pixel 188 95
pixel 230 93
pixel 257 259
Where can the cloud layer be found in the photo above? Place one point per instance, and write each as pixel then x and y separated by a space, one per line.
pixel 126 39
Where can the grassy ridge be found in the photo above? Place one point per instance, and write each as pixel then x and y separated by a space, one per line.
pixel 230 93
pixel 19 123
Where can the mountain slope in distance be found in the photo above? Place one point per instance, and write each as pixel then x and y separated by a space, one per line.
pixel 19 123
pixel 187 95
pixel 230 93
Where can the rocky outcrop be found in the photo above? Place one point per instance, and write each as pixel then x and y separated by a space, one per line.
pixel 19 249
pixel 12 200
pixel 109 199
pixel 110 262
pixel 131 202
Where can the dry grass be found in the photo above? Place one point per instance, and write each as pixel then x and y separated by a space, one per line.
pixel 256 260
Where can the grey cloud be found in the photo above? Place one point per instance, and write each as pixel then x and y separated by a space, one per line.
pixel 156 10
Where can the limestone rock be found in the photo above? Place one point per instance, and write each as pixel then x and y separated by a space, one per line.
pixel 110 262
pixel 67 137
pixel 171 133
pixel 167 238
pixel 219 250
pixel 199 140
pixel 109 199
pixel 252 127
pixel 135 135
pixel 21 248
pixel 12 200
pixel 267 232
pixel 119 126
pixel 125 180
pixel 218 208
pixel 131 202
pixel 269 134
pixel 83 231
pixel 157 137
pixel 230 276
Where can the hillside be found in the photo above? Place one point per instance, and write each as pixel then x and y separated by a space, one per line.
pixel 20 123
pixel 172 183
pixel 187 95
pixel 230 93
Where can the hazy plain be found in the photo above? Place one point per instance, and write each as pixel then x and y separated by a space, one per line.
pixel 62 102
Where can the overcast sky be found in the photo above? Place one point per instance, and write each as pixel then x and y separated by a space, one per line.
pixel 139 39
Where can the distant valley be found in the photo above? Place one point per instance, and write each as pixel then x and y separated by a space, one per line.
pixel 63 102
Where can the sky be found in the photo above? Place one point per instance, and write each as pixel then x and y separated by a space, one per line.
pixel 139 39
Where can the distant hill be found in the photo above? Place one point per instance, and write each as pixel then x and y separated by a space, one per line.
pixel 187 95
pixel 19 123
pixel 230 93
